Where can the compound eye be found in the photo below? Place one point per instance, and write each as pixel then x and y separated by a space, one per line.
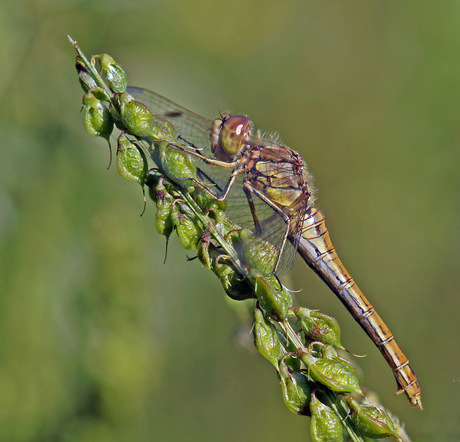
pixel 234 134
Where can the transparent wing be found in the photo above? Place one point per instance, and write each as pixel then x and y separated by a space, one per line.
pixel 272 227
pixel 192 129
pixel 193 134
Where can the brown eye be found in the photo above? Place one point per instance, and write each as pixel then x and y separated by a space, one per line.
pixel 234 134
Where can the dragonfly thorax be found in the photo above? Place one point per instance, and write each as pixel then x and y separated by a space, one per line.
pixel 280 174
pixel 229 135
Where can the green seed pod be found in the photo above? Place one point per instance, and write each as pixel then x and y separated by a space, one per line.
pixel 100 94
pixel 164 201
pixel 371 421
pixel 332 373
pixel 122 99
pixel 225 227
pixel 114 73
pixel 131 161
pixel 273 299
pixel 187 231
pixel 297 390
pixel 135 116
pixel 137 119
pixel 203 249
pixel 220 265
pixel 259 255
pixel 266 339
pixel 98 119
pixel 152 181
pixel 234 285
pixel 291 360
pixel 86 80
pixel 177 165
pixel 325 424
pixel 351 367
pixel 329 352
pixel 325 351
pixel 318 326
pixel 221 220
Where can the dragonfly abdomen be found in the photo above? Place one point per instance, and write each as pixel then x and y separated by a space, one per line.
pixel 316 249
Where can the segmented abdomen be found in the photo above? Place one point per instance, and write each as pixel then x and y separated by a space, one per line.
pixel 317 250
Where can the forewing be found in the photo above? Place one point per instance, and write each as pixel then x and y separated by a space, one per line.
pixel 192 129
pixel 193 134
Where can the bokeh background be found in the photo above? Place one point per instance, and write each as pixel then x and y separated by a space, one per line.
pixel 101 342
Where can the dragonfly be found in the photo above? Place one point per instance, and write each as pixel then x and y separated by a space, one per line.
pixel 267 185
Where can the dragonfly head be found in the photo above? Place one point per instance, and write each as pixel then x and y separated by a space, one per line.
pixel 229 136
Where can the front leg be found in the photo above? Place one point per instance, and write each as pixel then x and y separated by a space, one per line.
pixel 219 195
pixel 207 160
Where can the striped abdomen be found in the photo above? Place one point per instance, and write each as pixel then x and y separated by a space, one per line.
pixel 317 250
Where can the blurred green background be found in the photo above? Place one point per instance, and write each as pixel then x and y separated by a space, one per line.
pixel 98 340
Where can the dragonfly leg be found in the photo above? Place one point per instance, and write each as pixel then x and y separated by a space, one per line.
pixel 207 160
pixel 223 195
pixel 200 185
pixel 249 191
pixel 229 184
pixel 237 170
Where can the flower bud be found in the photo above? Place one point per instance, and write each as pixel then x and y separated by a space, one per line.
pixel 135 116
pixel 206 202
pixel 137 119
